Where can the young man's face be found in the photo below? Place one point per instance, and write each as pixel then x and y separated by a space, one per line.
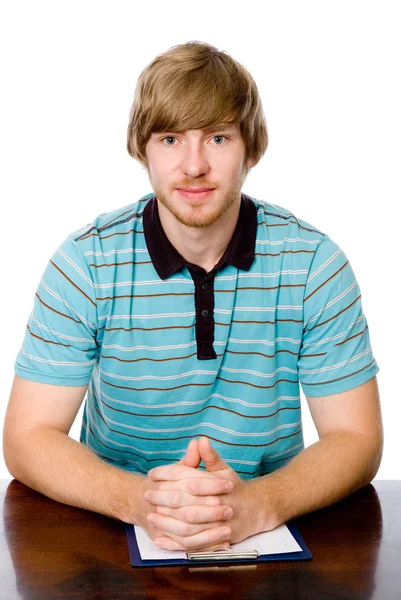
pixel 197 159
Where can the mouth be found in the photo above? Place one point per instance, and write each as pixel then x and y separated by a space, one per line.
pixel 196 193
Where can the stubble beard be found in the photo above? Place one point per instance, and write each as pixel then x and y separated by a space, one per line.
pixel 200 216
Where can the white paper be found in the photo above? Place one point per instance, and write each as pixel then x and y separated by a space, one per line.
pixel 277 541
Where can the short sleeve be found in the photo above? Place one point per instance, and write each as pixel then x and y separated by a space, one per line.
pixel 60 340
pixel 335 353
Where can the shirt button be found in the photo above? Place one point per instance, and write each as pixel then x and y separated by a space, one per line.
pixel 204 286
pixel 205 313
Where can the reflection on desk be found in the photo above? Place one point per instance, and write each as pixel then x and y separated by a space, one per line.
pixel 61 552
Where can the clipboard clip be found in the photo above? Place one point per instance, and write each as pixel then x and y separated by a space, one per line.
pixel 220 554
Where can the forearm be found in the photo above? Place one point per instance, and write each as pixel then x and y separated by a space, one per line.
pixel 322 474
pixel 52 463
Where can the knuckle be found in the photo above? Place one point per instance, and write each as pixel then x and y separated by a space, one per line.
pixel 186 543
pixel 190 486
pixel 187 530
pixel 219 513
pixel 193 487
pixel 175 499
pixel 213 537
pixel 189 516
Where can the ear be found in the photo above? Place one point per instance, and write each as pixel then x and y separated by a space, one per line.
pixel 251 162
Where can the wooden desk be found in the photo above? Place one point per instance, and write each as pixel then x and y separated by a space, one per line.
pixel 49 550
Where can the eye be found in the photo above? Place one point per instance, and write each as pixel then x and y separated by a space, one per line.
pixel 172 137
pixel 220 136
pixel 169 137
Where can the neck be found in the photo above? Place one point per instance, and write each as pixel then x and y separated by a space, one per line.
pixel 202 246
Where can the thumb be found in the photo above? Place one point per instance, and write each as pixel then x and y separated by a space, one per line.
pixel 192 457
pixel 210 456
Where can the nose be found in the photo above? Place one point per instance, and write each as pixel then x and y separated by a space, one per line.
pixel 194 162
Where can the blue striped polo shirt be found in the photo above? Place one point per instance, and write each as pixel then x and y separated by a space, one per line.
pixel 170 352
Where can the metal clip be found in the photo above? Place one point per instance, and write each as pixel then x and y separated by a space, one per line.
pixel 220 554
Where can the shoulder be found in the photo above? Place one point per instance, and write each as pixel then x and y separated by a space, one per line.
pixel 279 229
pixel 100 240
pixel 273 214
pixel 111 220
pixel 280 225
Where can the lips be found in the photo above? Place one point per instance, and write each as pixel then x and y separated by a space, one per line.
pixel 194 190
pixel 196 193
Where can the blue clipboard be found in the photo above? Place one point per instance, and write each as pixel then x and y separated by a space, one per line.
pixel 136 560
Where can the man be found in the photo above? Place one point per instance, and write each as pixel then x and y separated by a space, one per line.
pixel 190 317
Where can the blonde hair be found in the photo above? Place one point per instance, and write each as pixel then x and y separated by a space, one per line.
pixel 193 86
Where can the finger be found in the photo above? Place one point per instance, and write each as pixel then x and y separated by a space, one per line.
pixel 174 472
pixel 209 537
pixel 197 513
pixel 198 486
pixel 210 456
pixel 192 457
pixel 169 544
pixel 177 498
pixel 171 526
pixel 216 546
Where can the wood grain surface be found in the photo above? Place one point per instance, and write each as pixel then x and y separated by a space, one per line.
pixel 52 551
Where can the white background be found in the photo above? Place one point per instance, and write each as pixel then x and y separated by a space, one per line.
pixel 329 77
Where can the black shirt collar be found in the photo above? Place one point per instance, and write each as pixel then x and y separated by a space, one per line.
pixel 240 251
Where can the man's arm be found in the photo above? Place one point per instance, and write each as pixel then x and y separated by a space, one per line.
pixel 39 453
pixel 346 457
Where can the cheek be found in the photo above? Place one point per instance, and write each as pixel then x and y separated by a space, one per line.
pixel 232 167
pixel 162 168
